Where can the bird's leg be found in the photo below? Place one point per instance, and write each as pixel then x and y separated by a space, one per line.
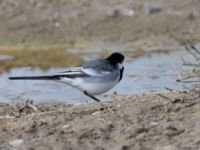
pixel 94 98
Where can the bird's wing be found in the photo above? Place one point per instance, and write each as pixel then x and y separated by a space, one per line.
pixel 71 72
pixel 93 68
pixel 95 72
pixel 76 70
pixel 97 68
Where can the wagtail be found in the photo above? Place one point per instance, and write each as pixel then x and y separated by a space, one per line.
pixel 92 78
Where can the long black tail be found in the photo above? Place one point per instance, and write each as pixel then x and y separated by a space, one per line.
pixel 53 77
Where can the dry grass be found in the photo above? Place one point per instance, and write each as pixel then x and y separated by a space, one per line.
pixel 43 59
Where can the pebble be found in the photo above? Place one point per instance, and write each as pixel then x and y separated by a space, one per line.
pixel 57 24
pixel 124 12
pixel 67 126
pixel 16 142
pixel 152 8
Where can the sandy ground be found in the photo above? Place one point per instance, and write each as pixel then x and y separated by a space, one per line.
pixel 81 24
pixel 164 121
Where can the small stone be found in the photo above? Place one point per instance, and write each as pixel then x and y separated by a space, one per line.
pixel 152 8
pixel 16 142
pixel 67 126
pixel 118 105
pixel 152 124
pixel 57 24
pixel 126 12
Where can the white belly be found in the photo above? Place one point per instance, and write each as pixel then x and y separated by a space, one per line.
pixel 90 87
pixel 95 89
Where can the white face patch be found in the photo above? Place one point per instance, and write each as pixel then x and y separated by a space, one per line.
pixel 120 66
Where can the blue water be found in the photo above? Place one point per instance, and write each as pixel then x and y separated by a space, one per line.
pixel 145 74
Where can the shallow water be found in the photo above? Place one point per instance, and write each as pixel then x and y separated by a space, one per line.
pixel 146 74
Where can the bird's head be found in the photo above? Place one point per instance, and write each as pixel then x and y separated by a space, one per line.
pixel 116 58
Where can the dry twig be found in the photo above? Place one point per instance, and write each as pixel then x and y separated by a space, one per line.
pixel 195 76
pixel 27 107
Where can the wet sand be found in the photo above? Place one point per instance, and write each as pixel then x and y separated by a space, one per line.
pixel 168 121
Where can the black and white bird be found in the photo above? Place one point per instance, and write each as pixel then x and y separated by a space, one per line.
pixel 92 78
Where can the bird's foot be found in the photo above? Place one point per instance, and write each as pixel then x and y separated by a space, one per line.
pixel 91 96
